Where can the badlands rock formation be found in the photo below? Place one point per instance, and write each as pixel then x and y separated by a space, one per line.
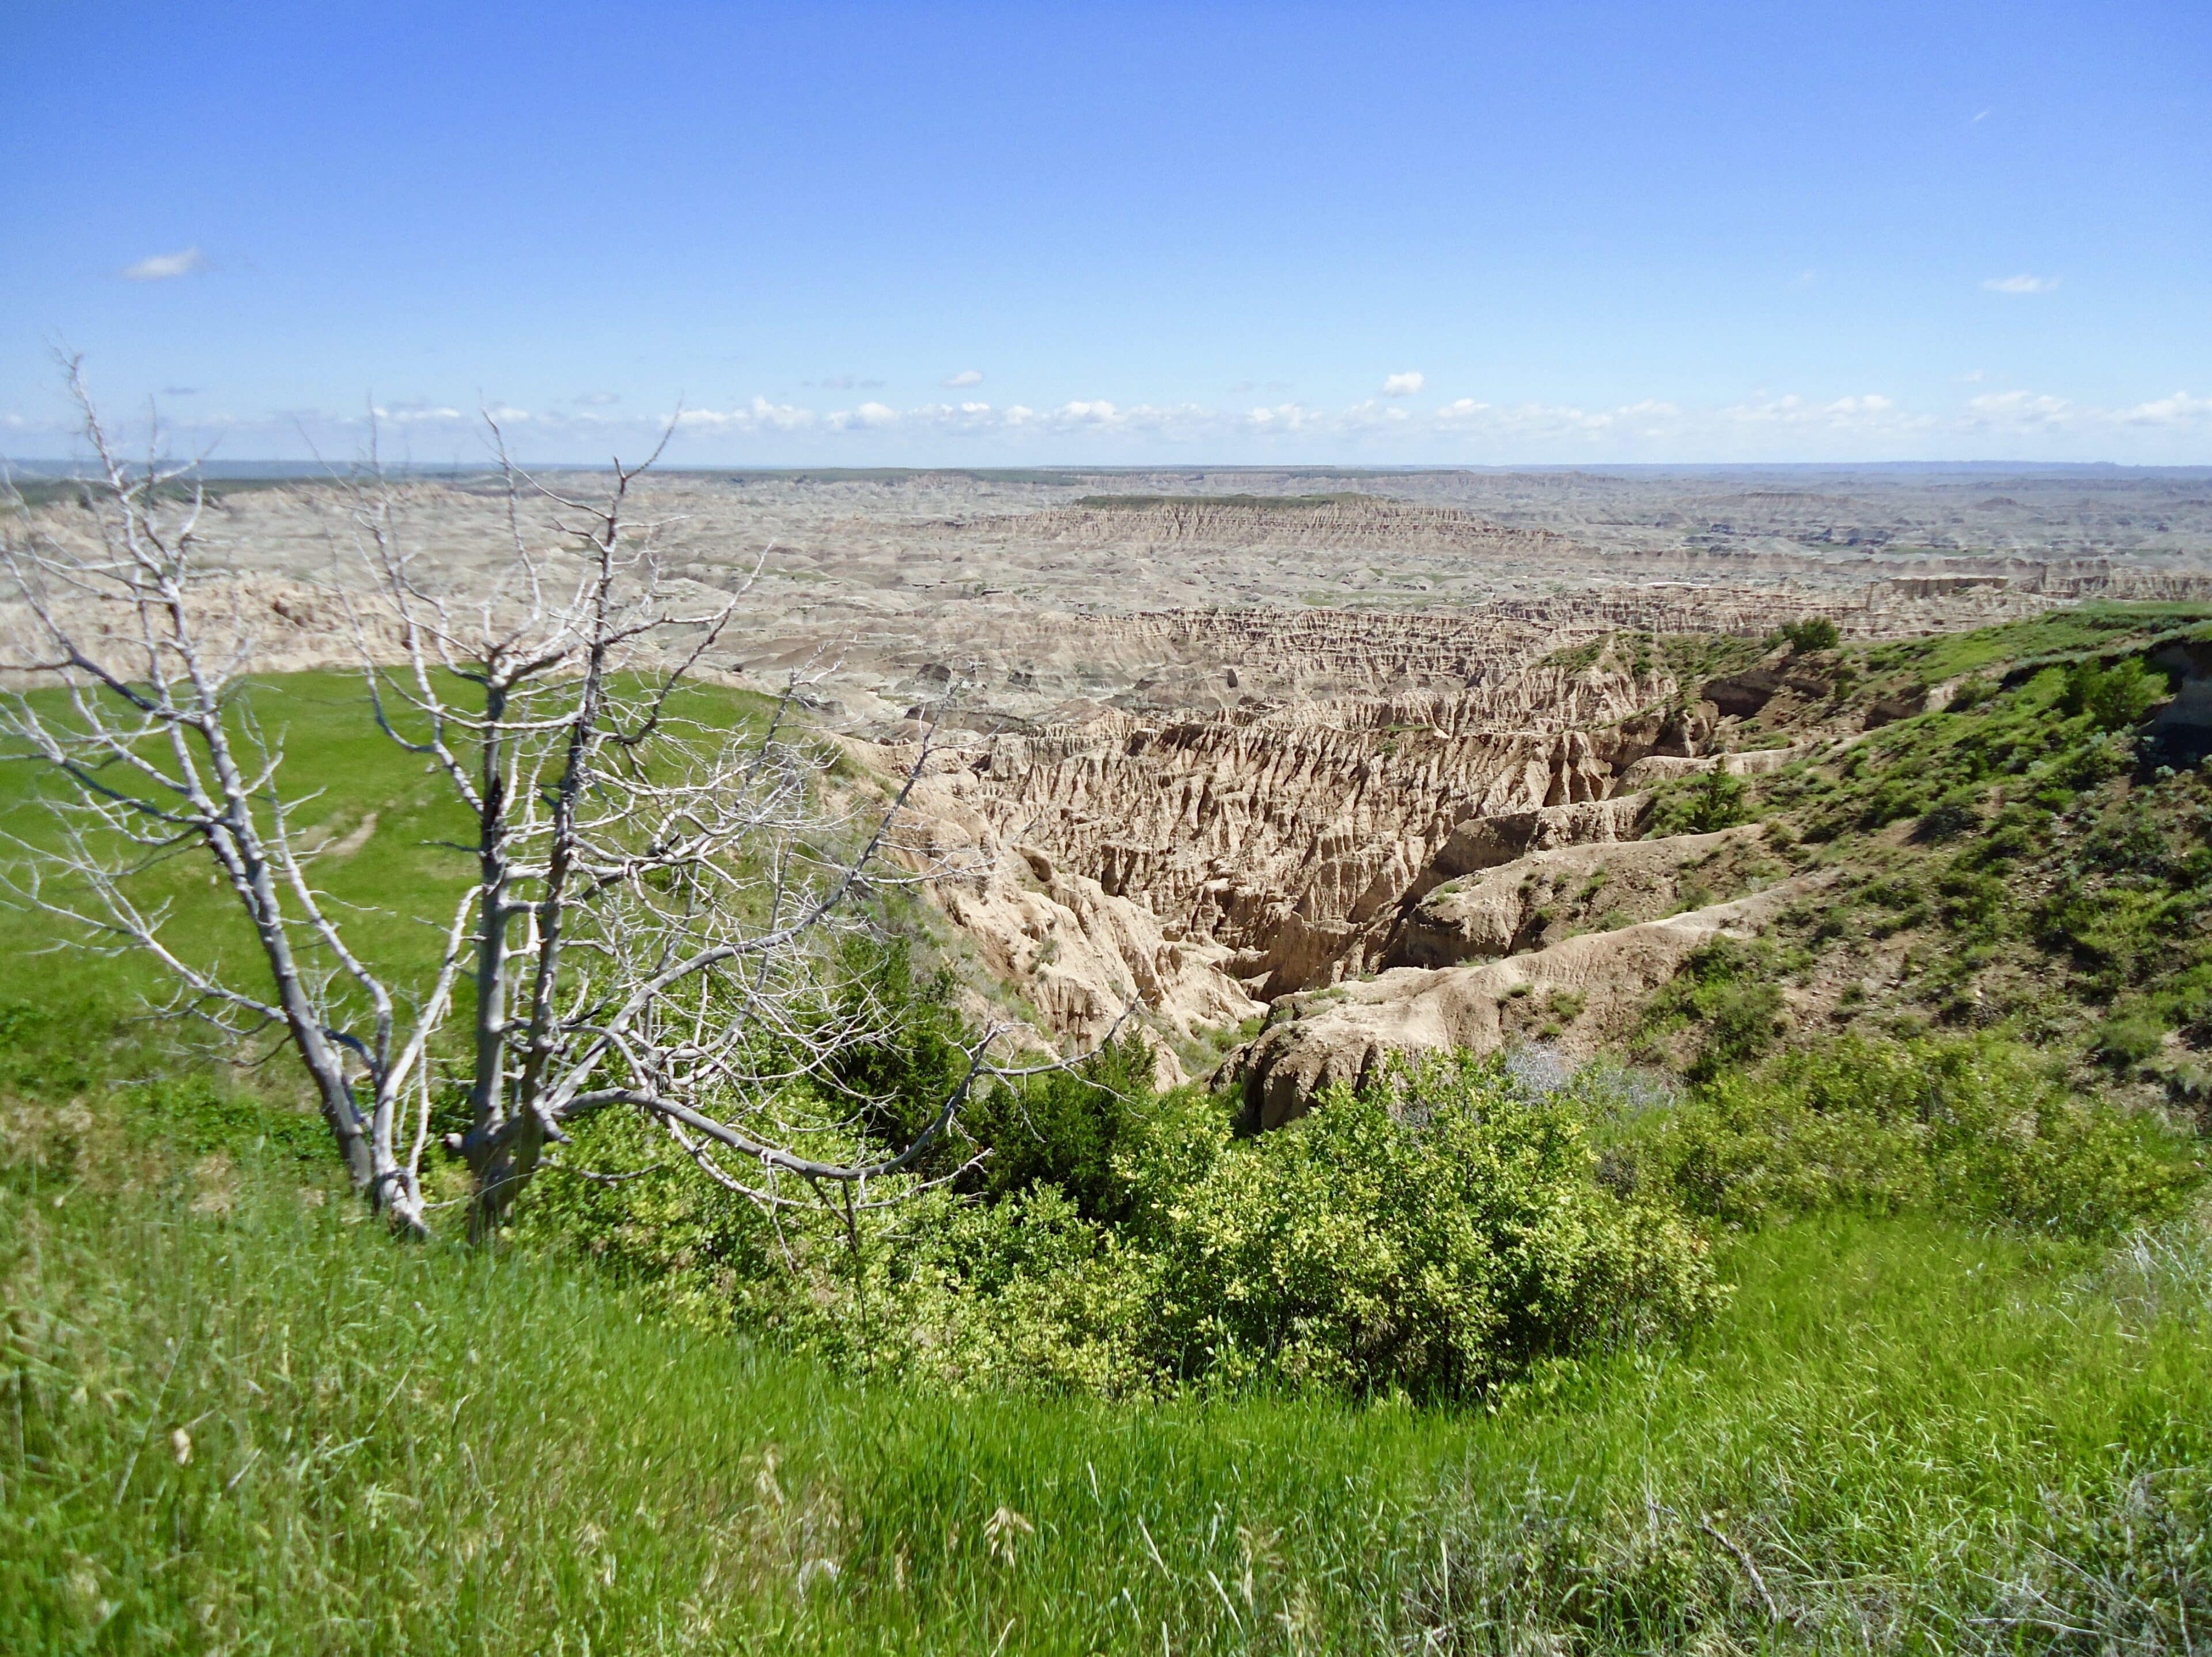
pixel 1606 976
pixel 1514 903
pixel 1227 738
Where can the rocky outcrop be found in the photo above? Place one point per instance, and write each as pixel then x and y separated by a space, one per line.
pixel 1345 522
pixel 1291 835
pixel 1485 842
pixel 1751 763
pixel 1591 984
pixel 1083 957
pixel 1508 907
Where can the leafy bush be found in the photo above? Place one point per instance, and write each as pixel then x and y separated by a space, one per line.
pixel 1727 990
pixel 1814 633
pixel 2115 697
pixel 1060 1130
pixel 1969 1125
pixel 2128 1039
pixel 1957 810
pixel 1716 801
pixel 1435 1232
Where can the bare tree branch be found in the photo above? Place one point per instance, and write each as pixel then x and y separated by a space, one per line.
pixel 659 897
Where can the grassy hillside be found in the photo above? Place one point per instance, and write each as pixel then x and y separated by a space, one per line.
pixel 1936 1373
pixel 217 1435
pixel 2031 856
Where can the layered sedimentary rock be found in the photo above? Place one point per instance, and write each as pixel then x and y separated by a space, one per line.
pixel 1085 960
pixel 1509 906
pixel 1290 837
pixel 1343 1033
pixel 1226 738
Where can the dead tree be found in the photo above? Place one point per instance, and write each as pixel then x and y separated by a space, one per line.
pixel 656 904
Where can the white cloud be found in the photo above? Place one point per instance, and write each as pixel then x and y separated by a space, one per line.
pixel 1370 415
pixel 1100 413
pixel 965 377
pixel 1284 417
pixel 868 416
pixel 164 267
pixel 1865 412
pixel 847 383
pixel 953 417
pixel 2019 409
pixel 2022 284
pixel 758 415
pixel 1405 385
pixel 2180 409
pixel 417 413
pixel 596 399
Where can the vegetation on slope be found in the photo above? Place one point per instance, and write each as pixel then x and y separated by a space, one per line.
pixel 2031 859
pixel 1898 1434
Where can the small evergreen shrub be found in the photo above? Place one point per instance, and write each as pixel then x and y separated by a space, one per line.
pixel 1716 801
pixel 1814 633
pixel 2114 698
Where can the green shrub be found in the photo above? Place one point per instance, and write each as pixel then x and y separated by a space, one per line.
pixel 2130 1038
pixel 1814 633
pixel 1060 1130
pixel 1956 811
pixel 1727 990
pixel 1968 1126
pixel 1433 1233
pixel 2115 697
pixel 1714 801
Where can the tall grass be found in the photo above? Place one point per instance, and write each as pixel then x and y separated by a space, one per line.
pixel 1902 1436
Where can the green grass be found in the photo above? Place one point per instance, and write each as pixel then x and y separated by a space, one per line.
pixel 2062 635
pixel 1902 1426
pixel 344 771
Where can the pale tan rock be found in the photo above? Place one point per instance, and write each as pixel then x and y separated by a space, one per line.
pixel 1341 1034
pixel 1499 911
pixel 1085 958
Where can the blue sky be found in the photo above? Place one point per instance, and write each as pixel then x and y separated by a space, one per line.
pixel 1002 235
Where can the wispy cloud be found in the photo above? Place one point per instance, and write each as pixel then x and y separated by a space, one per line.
pixel 758 415
pixel 1405 385
pixel 596 399
pixel 965 377
pixel 847 383
pixel 167 267
pixel 2018 409
pixel 1285 417
pixel 1973 421
pixel 428 414
pixel 2022 284
pixel 2180 408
